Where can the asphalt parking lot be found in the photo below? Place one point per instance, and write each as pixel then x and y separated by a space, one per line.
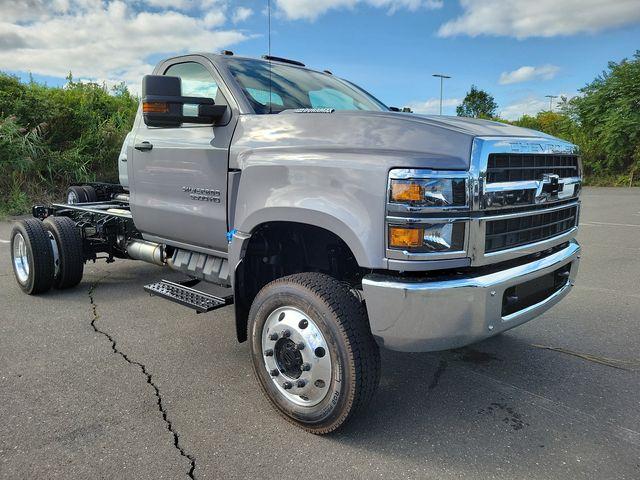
pixel 103 381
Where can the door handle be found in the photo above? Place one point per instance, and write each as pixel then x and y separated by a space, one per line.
pixel 143 147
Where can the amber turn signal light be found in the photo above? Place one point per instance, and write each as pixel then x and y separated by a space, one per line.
pixel 406 191
pixel 155 107
pixel 405 237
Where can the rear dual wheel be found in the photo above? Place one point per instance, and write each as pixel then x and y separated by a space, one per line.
pixel 32 256
pixel 81 194
pixel 46 254
pixel 312 350
pixel 68 256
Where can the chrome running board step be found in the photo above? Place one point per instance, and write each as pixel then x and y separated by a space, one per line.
pixel 183 294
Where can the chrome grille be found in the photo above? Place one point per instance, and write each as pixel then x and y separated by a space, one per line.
pixel 508 233
pixel 518 167
pixel 523 198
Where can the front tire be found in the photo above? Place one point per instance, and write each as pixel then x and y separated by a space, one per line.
pixel 32 256
pixel 312 350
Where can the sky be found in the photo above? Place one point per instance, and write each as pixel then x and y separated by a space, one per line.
pixel 517 50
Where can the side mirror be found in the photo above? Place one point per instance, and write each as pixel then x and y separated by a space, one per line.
pixel 163 104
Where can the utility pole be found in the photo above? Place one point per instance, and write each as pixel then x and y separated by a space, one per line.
pixel 551 97
pixel 441 77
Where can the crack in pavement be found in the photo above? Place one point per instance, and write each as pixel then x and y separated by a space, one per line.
pixel 161 408
pixel 442 366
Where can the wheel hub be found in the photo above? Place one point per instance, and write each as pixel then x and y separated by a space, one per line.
pixel 20 258
pixel 296 356
pixel 288 358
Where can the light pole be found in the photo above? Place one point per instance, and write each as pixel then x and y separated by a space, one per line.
pixel 551 97
pixel 441 77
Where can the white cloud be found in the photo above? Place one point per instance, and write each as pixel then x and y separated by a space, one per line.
pixel 528 73
pixel 312 9
pixel 531 105
pixel 526 106
pixel 215 18
pixel 432 105
pixel 241 14
pixel 540 18
pixel 103 40
pixel 26 10
pixel 174 4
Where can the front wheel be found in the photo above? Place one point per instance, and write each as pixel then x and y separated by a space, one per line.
pixel 312 350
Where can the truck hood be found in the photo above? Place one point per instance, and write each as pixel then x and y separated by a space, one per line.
pixel 393 139
pixel 478 127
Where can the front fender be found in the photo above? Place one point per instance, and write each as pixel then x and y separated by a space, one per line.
pixel 346 201
pixel 317 218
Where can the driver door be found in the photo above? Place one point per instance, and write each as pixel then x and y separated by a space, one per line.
pixel 179 174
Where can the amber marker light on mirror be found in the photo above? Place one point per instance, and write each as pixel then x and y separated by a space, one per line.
pixel 405 237
pixel 155 107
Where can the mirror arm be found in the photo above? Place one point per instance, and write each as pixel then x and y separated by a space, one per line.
pixel 207 113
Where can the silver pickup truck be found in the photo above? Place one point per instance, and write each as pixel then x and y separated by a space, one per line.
pixel 335 224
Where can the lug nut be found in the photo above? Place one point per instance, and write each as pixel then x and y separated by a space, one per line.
pixel 301 383
pixel 300 346
pixel 286 333
pixel 268 352
pixel 275 372
pixel 306 367
pixel 273 336
pixel 287 385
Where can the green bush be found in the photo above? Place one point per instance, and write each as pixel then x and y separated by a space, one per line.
pixel 604 121
pixel 51 137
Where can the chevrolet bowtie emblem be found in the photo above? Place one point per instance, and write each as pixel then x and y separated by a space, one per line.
pixel 548 188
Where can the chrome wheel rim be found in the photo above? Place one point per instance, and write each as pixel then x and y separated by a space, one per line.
pixel 296 356
pixel 20 258
pixel 72 197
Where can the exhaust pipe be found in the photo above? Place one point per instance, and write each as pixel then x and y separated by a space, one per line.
pixel 147 252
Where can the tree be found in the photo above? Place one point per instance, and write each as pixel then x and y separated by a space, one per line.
pixel 478 104
pixel 52 136
pixel 604 121
pixel 608 111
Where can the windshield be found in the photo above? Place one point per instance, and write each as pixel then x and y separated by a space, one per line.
pixel 293 87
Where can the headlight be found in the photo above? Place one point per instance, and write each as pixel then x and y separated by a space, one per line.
pixel 429 192
pixel 432 237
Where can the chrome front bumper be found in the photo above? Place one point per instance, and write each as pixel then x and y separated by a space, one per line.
pixel 421 316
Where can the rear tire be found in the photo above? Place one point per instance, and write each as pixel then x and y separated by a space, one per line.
pixel 90 192
pixel 32 256
pixel 76 194
pixel 70 261
pixel 320 313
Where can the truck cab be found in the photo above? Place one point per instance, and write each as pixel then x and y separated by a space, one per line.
pixel 337 225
